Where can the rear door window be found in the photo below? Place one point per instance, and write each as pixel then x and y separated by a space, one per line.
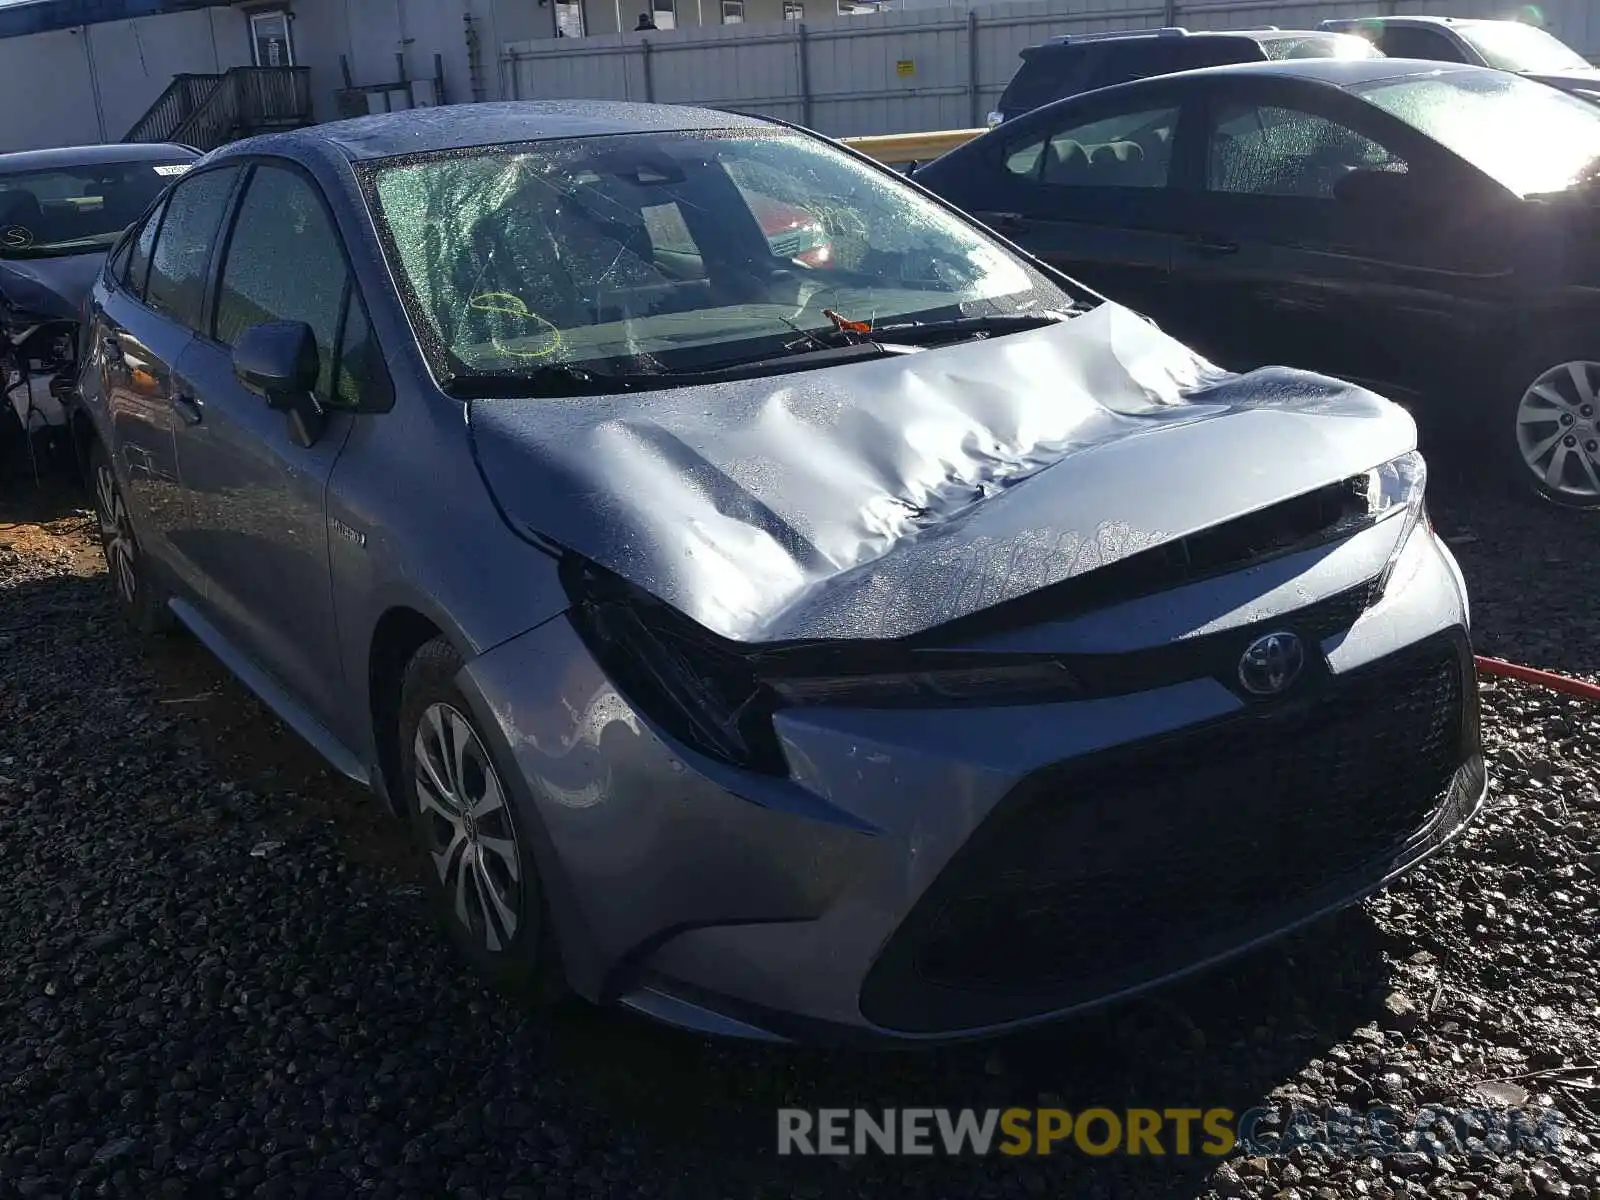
pixel 1043 77
pixel 1411 41
pixel 183 249
pixel 1137 58
pixel 1216 52
pixel 1131 149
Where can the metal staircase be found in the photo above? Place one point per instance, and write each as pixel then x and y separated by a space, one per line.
pixel 205 111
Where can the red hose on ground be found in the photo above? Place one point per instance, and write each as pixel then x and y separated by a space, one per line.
pixel 1545 679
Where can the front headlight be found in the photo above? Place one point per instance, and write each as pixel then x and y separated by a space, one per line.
pixel 1395 491
pixel 719 697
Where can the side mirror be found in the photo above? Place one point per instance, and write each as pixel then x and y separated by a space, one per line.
pixel 277 360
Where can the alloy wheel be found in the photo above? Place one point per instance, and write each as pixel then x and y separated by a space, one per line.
pixel 470 835
pixel 1558 431
pixel 116 535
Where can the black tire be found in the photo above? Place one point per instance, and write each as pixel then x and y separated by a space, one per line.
pixel 139 597
pixel 1574 421
pixel 501 924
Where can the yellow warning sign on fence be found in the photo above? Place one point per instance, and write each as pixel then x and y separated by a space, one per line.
pixel 905 66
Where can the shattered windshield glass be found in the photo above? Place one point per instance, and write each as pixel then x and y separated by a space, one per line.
pixel 673 252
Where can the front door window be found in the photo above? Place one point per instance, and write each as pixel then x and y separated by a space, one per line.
pixel 269 37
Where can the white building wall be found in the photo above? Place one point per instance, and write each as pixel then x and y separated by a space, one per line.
pixel 911 70
pixel 50 96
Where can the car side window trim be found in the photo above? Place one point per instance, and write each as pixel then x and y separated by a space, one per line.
pixel 134 290
pixel 219 256
pixel 384 400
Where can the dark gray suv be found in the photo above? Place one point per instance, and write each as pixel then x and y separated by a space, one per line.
pixel 1074 63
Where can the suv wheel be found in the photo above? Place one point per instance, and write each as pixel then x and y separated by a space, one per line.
pixel 138 598
pixel 483 879
pixel 1556 429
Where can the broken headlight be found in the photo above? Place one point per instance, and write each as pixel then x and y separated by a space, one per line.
pixel 700 691
pixel 1395 490
pixel 719 697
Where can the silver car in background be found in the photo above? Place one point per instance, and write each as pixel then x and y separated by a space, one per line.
pixel 876 636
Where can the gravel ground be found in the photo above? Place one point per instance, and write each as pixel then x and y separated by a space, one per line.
pixel 218 978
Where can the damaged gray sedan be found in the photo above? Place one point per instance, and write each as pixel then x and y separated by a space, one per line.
pixel 775 604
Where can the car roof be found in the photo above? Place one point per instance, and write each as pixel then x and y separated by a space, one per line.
pixel 463 126
pixel 1339 72
pixel 1263 33
pixel 94 156
pixel 1418 20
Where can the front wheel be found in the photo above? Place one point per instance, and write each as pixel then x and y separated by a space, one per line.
pixel 138 598
pixel 1556 431
pixel 463 818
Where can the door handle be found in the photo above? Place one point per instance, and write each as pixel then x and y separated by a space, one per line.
pixel 188 408
pixel 1207 247
pixel 1006 222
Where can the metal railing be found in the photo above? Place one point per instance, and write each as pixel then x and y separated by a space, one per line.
pixel 902 149
pixel 172 108
pixel 249 100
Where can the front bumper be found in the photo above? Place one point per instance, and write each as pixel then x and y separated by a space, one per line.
pixel 953 873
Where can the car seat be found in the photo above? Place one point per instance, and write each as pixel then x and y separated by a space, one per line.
pixel 21 207
pixel 120 203
pixel 1066 162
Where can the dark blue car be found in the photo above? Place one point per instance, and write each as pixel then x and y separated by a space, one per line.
pixel 1428 230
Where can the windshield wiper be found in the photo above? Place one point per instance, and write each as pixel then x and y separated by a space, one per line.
pixel 813 348
pixel 918 332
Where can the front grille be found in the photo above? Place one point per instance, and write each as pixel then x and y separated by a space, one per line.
pixel 1091 879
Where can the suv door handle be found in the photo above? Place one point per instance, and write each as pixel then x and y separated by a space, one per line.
pixel 1208 247
pixel 188 408
pixel 1006 222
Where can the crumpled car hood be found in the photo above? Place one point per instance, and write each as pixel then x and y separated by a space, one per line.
pixel 50 287
pixel 883 498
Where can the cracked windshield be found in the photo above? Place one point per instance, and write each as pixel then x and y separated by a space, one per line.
pixel 676 252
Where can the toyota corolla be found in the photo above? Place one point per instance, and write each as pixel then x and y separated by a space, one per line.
pixel 904 642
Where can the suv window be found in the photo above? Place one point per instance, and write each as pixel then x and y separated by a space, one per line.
pixel 285 262
pixel 139 256
pixel 1411 41
pixel 1119 62
pixel 1319 45
pixel 1194 53
pixel 178 267
pixel 1261 150
pixel 1046 74
pixel 1128 150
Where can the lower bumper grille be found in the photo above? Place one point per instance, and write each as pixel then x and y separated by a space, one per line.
pixel 1094 877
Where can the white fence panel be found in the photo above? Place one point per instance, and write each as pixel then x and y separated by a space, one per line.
pixel 917 69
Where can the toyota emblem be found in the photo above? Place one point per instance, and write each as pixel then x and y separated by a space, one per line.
pixel 1271 663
